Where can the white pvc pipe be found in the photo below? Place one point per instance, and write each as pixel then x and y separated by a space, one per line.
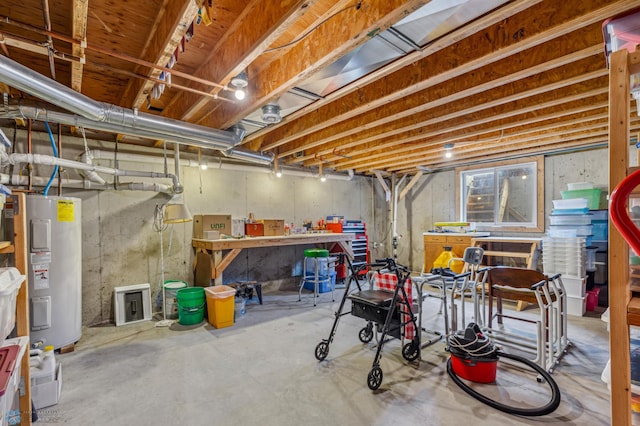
pixel 85 184
pixel 142 158
pixel 90 174
pixel 52 161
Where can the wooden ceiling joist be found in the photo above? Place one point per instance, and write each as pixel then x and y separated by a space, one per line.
pixel 458 89
pixel 489 46
pixel 329 42
pixel 262 22
pixel 170 26
pixel 511 110
pixel 466 113
pixel 493 133
pixel 78 32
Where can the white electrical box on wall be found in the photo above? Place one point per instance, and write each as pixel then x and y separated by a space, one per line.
pixel 132 304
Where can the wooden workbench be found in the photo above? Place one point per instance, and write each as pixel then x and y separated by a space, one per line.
pixel 209 261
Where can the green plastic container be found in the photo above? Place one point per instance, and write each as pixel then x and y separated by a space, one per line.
pixel 592 195
pixel 191 303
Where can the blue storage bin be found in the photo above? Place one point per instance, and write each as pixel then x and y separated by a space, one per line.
pixel 600 230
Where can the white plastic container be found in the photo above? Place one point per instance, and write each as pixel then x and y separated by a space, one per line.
pixel 10 281
pixel 576 306
pixel 570 219
pixel 43 366
pixel 579 185
pixel 570 204
pixel 46 378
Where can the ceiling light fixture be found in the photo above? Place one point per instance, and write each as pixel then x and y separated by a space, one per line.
pixel 448 150
pixel 271 113
pixel 240 82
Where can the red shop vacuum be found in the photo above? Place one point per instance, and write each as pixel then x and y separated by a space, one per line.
pixel 474 359
pixel 473 355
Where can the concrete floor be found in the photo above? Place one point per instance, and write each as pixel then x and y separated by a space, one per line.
pixel 262 371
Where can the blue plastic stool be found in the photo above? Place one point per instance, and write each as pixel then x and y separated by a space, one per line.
pixel 316 271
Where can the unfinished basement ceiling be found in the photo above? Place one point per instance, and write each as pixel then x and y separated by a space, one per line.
pixel 362 85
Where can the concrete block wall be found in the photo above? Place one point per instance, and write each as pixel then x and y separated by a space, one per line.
pixel 433 198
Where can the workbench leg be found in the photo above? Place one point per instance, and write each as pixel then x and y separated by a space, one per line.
pixel 216 259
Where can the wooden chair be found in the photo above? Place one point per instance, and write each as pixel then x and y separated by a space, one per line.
pixel 531 286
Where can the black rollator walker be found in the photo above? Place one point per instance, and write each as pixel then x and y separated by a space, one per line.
pixel 384 308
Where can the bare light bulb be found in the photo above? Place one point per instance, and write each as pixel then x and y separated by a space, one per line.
pixel 203 166
pixel 278 174
pixel 239 94
pixel 448 154
pixel 323 179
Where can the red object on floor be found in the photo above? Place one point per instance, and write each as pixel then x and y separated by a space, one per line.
pixel 8 356
pixel 592 298
pixel 479 370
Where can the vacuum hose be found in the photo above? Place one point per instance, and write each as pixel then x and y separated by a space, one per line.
pixel 551 406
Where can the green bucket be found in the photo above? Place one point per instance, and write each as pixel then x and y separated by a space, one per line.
pixel 191 303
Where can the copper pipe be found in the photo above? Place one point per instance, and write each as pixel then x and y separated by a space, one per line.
pixel 60 156
pixel 124 57
pixel 29 147
pixel 156 80
pixel 56 54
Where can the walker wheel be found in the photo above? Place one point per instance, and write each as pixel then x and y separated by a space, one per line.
pixel 374 379
pixel 366 334
pixel 322 350
pixel 410 351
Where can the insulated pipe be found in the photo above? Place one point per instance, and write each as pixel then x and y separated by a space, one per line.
pixel 29 81
pixel 48 160
pixel 38 113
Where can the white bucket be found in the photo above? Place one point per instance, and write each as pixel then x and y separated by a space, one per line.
pixel 171 288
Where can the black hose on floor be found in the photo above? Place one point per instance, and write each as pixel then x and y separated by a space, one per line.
pixel 550 407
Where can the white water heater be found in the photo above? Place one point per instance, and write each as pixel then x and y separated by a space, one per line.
pixel 54 231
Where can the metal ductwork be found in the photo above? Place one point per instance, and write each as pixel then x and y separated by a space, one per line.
pixel 111 118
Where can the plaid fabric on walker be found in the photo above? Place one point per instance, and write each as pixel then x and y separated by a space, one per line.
pixel 388 281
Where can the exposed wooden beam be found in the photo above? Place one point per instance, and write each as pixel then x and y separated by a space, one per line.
pixel 170 26
pixel 330 41
pixel 506 144
pixel 486 135
pixel 484 83
pixel 261 22
pixel 446 40
pixel 491 106
pixel 22 43
pixel 522 141
pixel 78 32
pixel 521 107
pixel 533 27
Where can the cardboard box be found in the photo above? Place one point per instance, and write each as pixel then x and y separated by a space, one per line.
pixel 211 222
pixel 273 227
pixel 254 229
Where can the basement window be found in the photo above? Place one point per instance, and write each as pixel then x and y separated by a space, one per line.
pixel 505 195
